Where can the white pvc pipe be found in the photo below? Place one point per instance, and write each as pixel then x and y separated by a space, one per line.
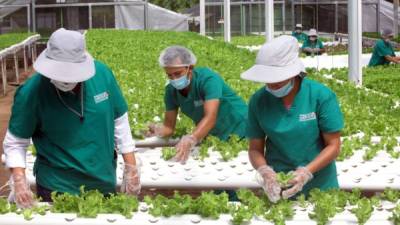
pixel 269 20
pixel 227 20
pixel 396 17
pixel 355 41
pixel 202 17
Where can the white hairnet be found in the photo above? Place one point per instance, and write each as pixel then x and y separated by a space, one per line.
pixel 177 56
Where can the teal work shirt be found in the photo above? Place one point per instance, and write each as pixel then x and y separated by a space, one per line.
pixel 71 152
pixel 208 85
pixel 309 44
pixel 293 137
pixel 301 37
pixel 381 49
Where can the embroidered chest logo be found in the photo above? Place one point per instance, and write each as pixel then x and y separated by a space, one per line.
pixel 307 117
pixel 101 97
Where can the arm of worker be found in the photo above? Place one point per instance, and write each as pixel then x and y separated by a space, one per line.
pixel 166 129
pixel 125 144
pixel 393 59
pixel 15 158
pixel 269 182
pixel 304 174
pixel 202 129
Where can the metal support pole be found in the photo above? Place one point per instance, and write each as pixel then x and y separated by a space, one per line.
pixel 269 20
pixel 293 15
pixel 28 17
pixel 33 16
pixel 4 74
pixel 355 41
pixel 396 18
pixel 16 67
pixel 378 17
pixel 336 17
pixel 202 17
pixel 33 51
pixel 227 20
pixel 25 60
pixel 284 18
pixel 90 17
pixel 146 15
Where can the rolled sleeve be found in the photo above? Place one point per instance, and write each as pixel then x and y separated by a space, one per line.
pixel 15 150
pixel 124 142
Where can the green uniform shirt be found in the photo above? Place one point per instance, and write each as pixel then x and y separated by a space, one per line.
pixel 301 37
pixel 381 50
pixel 207 85
pixel 294 135
pixel 71 152
pixel 317 44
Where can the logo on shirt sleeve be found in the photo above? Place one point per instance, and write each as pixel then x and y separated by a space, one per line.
pixel 101 97
pixel 307 117
pixel 198 103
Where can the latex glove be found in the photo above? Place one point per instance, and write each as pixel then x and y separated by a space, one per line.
pixel 131 180
pixel 183 148
pixel 301 176
pixel 154 130
pixel 271 186
pixel 20 193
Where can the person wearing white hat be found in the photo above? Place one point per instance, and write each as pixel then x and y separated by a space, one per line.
pixel 294 123
pixel 313 45
pixel 383 53
pixel 299 34
pixel 76 116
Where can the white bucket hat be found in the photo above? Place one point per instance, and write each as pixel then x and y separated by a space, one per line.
pixel 277 60
pixel 65 59
pixel 312 32
pixel 299 25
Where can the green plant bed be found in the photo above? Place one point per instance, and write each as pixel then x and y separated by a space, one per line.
pixel 9 39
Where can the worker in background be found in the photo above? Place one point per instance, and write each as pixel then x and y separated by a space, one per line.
pixel 299 34
pixel 313 45
pixel 383 53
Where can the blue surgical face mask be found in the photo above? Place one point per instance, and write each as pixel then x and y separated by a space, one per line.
pixel 283 91
pixel 181 82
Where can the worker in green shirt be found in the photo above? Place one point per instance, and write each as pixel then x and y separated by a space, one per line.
pixel 299 34
pixel 202 95
pixel 76 116
pixel 294 123
pixel 313 46
pixel 383 53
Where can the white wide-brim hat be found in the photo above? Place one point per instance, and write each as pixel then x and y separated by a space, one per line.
pixel 313 32
pixel 277 60
pixel 65 59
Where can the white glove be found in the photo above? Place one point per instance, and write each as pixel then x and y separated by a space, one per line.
pixel 20 193
pixel 154 130
pixel 271 186
pixel 131 180
pixel 301 176
pixel 183 148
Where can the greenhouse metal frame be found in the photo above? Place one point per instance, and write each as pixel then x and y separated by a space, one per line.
pixel 289 12
pixel 32 8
